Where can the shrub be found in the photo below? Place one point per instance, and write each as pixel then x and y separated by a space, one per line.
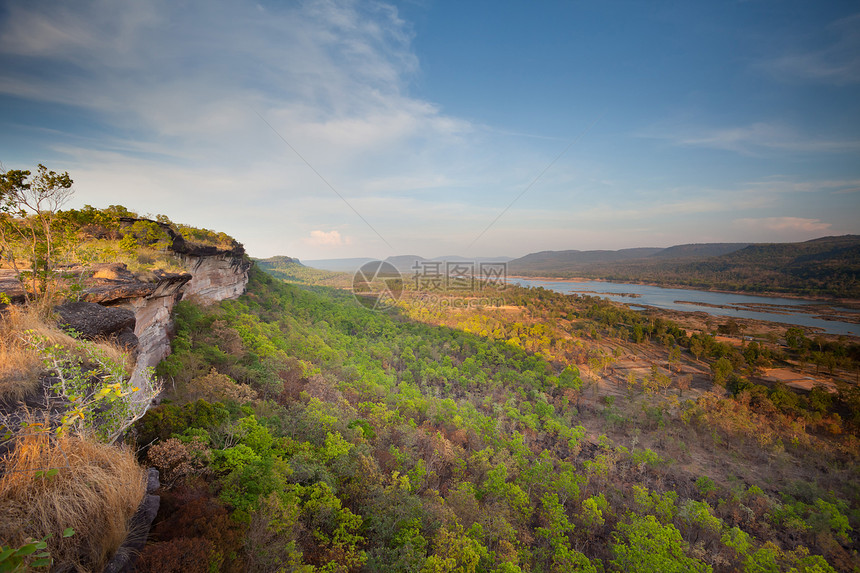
pixel 706 486
pixel 162 422
pixel 175 459
pixel 216 387
pixel 97 394
pixel 271 538
pixel 180 555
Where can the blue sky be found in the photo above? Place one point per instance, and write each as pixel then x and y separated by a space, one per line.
pixel 334 129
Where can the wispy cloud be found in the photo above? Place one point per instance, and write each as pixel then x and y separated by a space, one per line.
pixel 784 184
pixel 330 75
pixel 784 224
pixel 172 93
pixel 154 104
pixel 754 139
pixel 837 62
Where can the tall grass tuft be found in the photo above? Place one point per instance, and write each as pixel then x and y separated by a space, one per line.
pixel 95 491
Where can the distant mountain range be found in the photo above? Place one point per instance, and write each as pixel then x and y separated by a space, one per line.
pixel 565 261
pixel 403 263
pixel 825 266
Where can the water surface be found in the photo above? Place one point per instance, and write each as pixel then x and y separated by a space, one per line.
pixel 773 309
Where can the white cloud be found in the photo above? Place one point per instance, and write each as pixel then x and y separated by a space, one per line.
pixel 327 239
pixel 328 75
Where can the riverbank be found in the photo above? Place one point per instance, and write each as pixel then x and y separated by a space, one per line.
pixel 852 303
pixel 816 317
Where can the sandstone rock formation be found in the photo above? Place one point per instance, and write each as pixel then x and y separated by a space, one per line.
pixel 215 277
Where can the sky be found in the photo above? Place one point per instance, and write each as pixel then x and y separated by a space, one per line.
pixel 332 129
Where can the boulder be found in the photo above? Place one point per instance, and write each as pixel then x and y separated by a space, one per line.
pixel 93 320
pixel 10 286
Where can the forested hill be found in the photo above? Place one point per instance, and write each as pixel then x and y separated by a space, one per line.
pixel 825 266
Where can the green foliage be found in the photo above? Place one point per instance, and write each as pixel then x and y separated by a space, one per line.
pixel 333 527
pixel 24 557
pixel 660 505
pixel 334 447
pixel 162 422
pixel 593 509
pixel 644 545
pixel 144 233
pixel 706 486
pixel 771 559
pixel 456 552
pixel 699 514
pixel 737 539
pixel 821 517
pixel 28 222
pixel 721 370
pixel 646 456
pixel 96 392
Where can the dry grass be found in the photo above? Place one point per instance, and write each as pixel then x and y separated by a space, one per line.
pixel 96 492
pixel 20 364
pixel 138 260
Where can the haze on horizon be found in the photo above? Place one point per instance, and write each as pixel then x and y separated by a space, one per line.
pixel 334 129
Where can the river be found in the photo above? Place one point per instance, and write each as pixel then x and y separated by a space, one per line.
pixel 801 312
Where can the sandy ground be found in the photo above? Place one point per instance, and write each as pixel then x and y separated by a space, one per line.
pixel 795 379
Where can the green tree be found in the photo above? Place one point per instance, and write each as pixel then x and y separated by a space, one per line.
pixel 795 339
pixel 674 361
pixel 456 552
pixel 696 347
pixel 28 209
pixel 644 545
pixel 721 370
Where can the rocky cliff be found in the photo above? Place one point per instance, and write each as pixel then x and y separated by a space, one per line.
pixel 212 276
pixel 215 277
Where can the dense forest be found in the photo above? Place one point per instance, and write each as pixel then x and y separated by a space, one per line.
pixel 827 266
pixel 305 432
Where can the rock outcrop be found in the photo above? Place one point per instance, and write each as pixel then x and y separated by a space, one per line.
pixel 214 275
pixel 149 301
pixel 217 277
pixel 92 321
pixel 135 310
